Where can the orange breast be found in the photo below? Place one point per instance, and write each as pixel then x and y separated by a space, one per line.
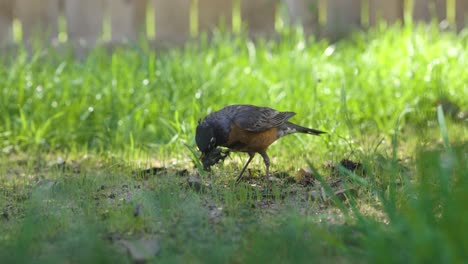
pixel 246 141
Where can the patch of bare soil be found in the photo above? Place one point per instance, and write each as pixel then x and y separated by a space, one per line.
pixel 145 174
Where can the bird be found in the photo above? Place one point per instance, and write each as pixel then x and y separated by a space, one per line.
pixel 245 128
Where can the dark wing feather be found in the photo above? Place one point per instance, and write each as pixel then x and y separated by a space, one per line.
pixel 258 119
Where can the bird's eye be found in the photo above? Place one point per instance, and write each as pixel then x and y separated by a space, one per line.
pixel 212 142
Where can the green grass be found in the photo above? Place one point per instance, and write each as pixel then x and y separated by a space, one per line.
pixel 111 114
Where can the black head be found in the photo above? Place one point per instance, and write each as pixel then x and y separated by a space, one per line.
pixel 205 138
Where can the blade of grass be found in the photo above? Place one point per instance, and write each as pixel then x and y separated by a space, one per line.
pixel 443 126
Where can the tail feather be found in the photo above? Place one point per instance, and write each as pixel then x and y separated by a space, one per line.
pixel 290 128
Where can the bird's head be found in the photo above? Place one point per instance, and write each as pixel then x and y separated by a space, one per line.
pixel 205 138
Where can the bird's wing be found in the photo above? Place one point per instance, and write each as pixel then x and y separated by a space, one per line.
pixel 258 119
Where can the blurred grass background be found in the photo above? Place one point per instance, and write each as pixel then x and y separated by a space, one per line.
pixel 150 100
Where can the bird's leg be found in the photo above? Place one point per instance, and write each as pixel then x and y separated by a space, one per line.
pixel 266 160
pixel 251 155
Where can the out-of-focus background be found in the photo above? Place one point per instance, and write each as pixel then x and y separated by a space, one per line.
pixel 127 20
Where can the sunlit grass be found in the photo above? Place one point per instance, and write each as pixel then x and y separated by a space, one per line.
pixel 154 98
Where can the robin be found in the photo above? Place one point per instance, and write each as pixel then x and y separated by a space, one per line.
pixel 245 128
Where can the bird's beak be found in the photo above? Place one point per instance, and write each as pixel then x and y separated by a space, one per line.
pixel 203 156
pixel 205 161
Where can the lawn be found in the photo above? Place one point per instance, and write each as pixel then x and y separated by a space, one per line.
pixel 98 161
